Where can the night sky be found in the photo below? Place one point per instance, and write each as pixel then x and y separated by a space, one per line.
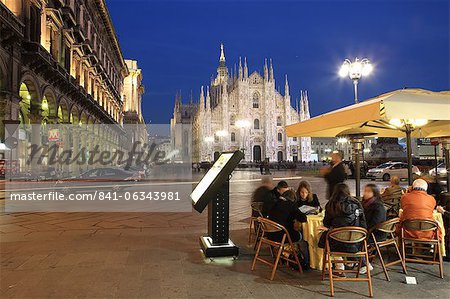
pixel 177 43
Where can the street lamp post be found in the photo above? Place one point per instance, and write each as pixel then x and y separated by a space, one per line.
pixel 355 71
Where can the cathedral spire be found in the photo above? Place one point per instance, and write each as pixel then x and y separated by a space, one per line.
pixel 208 99
pixel 222 55
pixel 271 77
pixel 266 71
pixel 202 99
pixel 307 115
pixel 222 70
pixel 286 87
pixel 240 68
pixel 245 68
pixel 178 103
pixel 302 106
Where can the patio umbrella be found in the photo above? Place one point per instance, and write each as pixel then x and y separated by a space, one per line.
pixel 414 113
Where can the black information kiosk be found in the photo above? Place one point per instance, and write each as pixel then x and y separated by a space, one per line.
pixel 214 191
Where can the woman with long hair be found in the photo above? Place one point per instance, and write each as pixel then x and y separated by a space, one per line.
pixel 306 196
pixel 342 210
pixel 375 213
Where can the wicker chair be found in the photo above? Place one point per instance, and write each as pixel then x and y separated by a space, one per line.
pixel 268 226
pixel 415 244
pixel 347 235
pixel 388 227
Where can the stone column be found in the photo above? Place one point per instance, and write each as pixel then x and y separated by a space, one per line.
pixel 35 120
pixel 75 132
pixel 83 148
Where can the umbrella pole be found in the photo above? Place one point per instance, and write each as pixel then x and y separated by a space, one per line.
pixel 409 154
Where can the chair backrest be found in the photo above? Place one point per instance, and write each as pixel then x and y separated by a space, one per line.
pixel 348 234
pixel 257 207
pixel 420 225
pixel 388 226
pixel 270 226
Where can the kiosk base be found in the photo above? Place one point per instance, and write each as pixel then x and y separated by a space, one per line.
pixel 222 250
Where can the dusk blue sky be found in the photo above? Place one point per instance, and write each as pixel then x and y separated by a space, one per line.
pixel 177 43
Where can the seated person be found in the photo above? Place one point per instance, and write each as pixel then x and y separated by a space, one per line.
pixel 290 195
pixel 434 188
pixel 342 210
pixel 374 210
pixel 273 196
pixel 263 192
pixel 417 204
pixel 306 197
pixel 375 213
pixel 392 195
pixel 285 212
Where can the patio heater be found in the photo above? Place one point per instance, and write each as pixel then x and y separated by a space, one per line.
pixel 356 137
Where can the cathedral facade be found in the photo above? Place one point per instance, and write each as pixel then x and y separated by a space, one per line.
pixel 244 111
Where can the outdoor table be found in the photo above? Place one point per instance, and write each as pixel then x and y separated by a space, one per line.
pixel 311 234
pixel 438 218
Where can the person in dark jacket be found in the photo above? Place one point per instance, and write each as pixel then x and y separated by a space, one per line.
pixel 374 210
pixel 335 174
pixel 375 213
pixel 273 196
pixel 263 192
pixel 343 210
pixel 434 188
pixel 306 197
pixel 285 212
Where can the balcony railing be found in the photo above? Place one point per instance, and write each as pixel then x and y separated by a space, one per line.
pixel 10 20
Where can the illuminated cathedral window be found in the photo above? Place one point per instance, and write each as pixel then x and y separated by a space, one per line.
pixel 255 100
pixel 256 124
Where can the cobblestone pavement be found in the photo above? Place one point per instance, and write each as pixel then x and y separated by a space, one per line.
pixel 157 255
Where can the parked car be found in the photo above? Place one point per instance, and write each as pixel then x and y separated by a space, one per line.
pixel 441 169
pixel 386 170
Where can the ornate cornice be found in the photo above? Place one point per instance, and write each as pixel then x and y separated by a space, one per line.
pixel 104 13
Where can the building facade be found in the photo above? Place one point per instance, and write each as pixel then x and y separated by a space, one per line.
pixel 61 63
pixel 244 111
pixel 133 90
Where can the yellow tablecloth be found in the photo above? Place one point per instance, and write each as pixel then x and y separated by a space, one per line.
pixel 311 234
pixel 438 218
